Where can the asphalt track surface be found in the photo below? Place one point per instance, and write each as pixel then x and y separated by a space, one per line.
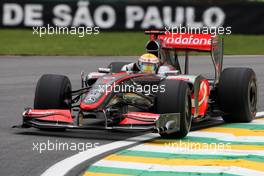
pixel 18 77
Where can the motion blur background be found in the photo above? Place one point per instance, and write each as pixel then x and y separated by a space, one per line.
pixel 121 24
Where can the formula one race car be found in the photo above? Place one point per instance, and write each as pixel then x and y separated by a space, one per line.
pixel 177 100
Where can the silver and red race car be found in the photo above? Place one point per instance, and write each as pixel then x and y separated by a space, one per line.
pixel 166 102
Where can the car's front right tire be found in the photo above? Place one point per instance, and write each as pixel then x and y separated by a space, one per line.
pixel 175 99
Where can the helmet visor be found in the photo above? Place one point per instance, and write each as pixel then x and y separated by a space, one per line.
pixel 148 67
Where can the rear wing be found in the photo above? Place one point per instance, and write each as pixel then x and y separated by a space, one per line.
pixel 191 42
pixel 184 41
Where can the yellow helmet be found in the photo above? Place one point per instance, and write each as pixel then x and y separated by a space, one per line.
pixel 148 63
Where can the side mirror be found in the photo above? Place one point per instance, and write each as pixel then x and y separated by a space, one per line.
pixel 165 70
pixel 172 73
pixel 104 70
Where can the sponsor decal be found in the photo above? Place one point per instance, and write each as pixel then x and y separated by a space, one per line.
pixel 195 41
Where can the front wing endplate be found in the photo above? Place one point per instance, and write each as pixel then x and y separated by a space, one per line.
pixel 168 123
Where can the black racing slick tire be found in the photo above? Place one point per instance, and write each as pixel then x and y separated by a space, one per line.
pixel 115 67
pixel 175 99
pixel 53 92
pixel 238 94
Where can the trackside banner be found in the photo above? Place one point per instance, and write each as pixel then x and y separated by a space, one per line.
pixel 244 18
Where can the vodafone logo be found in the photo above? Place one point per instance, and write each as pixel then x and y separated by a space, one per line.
pixel 187 40
pixel 193 41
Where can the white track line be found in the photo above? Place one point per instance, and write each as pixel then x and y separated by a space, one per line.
pixel 63 167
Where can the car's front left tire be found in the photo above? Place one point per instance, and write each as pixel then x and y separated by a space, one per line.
pixel 53 92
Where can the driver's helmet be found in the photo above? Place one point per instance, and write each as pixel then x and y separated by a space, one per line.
pixel 148 63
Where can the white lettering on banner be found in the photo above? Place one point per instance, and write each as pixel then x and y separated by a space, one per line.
pixel 152 17
pixel 209 15
pixel 109 12
pixel 133 14
pixel 82 15
pixel 105 16
pixel 33 15
pixel 62 15
pixel 12 14
pixel 190 18
pixel 167 15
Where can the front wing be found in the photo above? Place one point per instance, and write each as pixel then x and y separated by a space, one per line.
pixel 142 121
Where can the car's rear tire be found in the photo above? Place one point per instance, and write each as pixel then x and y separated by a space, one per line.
pixel 175 99
pixel 238 94
pixel 115 67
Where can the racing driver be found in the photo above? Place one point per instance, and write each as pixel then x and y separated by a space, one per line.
pixel 147 63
